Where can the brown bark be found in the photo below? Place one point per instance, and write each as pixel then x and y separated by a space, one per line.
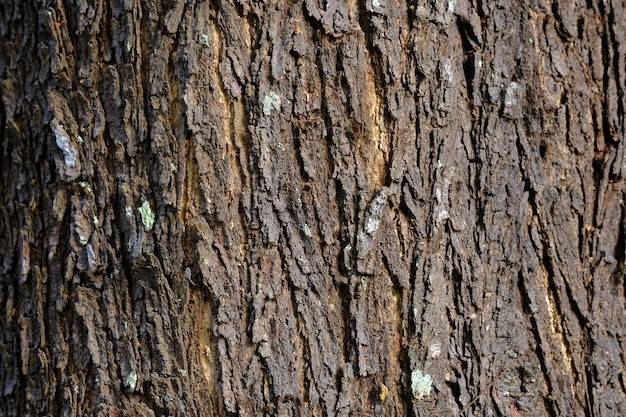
pixel 320 208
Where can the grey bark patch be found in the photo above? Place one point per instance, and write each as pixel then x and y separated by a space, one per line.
pixel 68 164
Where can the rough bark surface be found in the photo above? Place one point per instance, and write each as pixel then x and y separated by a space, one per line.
pixel 314 208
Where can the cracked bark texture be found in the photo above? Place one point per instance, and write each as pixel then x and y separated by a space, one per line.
pixel 314 208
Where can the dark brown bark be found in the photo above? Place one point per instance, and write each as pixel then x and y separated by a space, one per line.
pixel 321 208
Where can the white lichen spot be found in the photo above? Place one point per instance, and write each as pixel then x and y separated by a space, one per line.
pixel 63 142
pixel 443 215
pixel 376 4
pixel 147 216
pixel 447 71
pixel 513 100
pixel 83 240
pixel 451 5
pixel 438 164
pixel 306 230
pixel 421 385
pixel 182 372
pixel 131 380
pixel 271 102
pixel 129 211
pixel 96 221
pixel 86 187
pixel 204 39
pixel 79 139
pixel 372 225
pixel 434 350
pixel 173 167
pixel 513 92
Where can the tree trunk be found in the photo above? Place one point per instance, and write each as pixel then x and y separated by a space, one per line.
pixel 318 209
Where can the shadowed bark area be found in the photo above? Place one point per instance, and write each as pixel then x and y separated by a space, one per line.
pixel 314 208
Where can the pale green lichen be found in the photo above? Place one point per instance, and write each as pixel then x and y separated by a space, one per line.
pixel 147 216
pixel 96 221
pixel 86 187
pixel 129 211
pixel 204 39
pixel 131 380
pixel 421 385
pixel 271 102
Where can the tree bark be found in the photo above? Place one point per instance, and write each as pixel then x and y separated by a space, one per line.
pixel 314 208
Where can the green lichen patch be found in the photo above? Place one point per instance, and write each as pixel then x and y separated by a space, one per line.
pixel 421 385
pixel 271 102
pixel 147 216
pixel 131 380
